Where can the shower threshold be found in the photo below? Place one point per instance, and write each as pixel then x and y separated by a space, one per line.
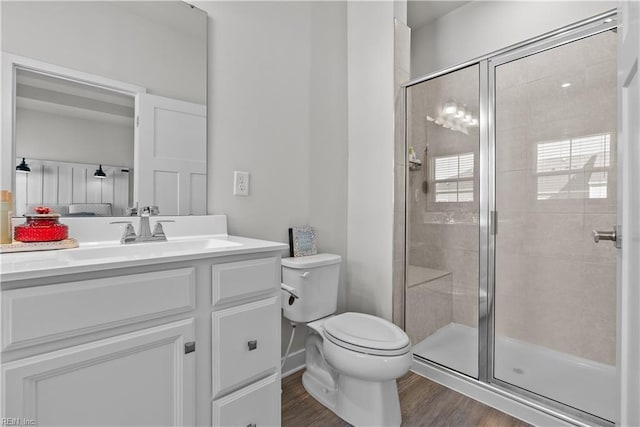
pixel 581 383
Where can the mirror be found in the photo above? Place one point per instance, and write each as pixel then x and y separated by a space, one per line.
pixel 110 111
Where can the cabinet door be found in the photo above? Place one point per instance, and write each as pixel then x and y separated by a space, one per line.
pixel 140 378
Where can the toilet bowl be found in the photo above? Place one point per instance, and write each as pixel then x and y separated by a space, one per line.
pixel 352 359
pixel 356 381
pixel 366 347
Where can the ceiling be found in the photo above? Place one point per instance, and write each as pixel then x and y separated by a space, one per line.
pixel 420 12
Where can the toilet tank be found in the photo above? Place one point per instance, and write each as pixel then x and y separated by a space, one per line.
pixel 315 279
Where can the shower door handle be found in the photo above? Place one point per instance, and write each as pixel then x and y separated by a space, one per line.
pixel 613 235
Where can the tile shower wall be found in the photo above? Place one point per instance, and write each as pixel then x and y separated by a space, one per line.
pixel 554 286
pixel 442 270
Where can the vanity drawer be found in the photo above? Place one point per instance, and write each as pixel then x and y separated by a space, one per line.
pixel 257 404
pixel 47 313
pixel 233 281
pixel 246 343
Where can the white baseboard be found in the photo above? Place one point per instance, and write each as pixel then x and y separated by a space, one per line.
pixel 492 396
pixel 294 362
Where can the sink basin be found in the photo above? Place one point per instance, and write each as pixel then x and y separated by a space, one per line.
pixel 193 244
pixel 147 249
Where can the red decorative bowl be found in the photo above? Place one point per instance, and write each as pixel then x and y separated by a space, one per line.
pixel 41 227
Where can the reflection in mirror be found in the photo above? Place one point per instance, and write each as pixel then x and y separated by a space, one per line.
pixel 574 168
pixel 453 176
pixel 67 130
pixel 128 99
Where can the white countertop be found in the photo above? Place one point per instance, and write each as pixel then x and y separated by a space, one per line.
pixel 30 265
pixel 111 254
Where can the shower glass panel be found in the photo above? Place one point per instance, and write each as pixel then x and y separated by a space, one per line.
pixel 442 263
pixel 555 182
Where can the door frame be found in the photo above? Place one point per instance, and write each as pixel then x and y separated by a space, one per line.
pixel 628 336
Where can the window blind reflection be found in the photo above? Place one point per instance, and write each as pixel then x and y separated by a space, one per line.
pixel 454 178
pixel 573 168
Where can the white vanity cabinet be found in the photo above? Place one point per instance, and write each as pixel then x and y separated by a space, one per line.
pixel 182 343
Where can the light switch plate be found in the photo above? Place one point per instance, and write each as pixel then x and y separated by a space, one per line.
pixel 240 183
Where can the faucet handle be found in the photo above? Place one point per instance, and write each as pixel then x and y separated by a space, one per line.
pixel 158 231
pixel 129 235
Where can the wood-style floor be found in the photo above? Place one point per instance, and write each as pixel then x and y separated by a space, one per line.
pixel 423 402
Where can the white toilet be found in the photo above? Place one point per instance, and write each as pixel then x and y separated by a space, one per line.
pixel 352 359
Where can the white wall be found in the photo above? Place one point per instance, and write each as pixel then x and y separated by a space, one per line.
pixel 482 27
pixel 157 45
pixel 371 156
pixel 328 132
pixel 47 136
pixel 280 77
pixel 278 109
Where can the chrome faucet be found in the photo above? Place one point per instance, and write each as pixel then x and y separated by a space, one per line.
pixel 144 234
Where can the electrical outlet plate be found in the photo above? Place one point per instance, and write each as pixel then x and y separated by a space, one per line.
pixel 240 183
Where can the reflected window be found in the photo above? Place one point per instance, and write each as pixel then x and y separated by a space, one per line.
pixel 454 178
pixel 574 168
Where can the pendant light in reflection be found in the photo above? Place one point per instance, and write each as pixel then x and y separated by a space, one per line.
pixel 99 173
pixel 23 167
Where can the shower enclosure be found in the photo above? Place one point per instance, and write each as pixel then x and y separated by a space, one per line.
pixel 511 166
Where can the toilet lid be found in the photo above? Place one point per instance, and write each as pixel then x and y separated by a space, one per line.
pixel 366 332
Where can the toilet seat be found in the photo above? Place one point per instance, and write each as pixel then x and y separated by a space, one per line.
pixel 367 334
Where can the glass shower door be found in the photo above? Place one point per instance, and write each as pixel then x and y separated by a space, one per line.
pixel 555 182
pixel 442 263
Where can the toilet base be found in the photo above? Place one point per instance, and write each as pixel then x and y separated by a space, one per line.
pixel 319 391
pixel 366 403
pixel 319 379
pixel 358 402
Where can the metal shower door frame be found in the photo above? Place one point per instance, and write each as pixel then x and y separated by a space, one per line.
pixel 590 28
pixel 487 206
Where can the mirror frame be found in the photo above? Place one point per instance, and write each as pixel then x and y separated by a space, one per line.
pixel 10 63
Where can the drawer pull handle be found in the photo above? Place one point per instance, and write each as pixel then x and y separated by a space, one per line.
pixel 189 347
pixel 253 344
